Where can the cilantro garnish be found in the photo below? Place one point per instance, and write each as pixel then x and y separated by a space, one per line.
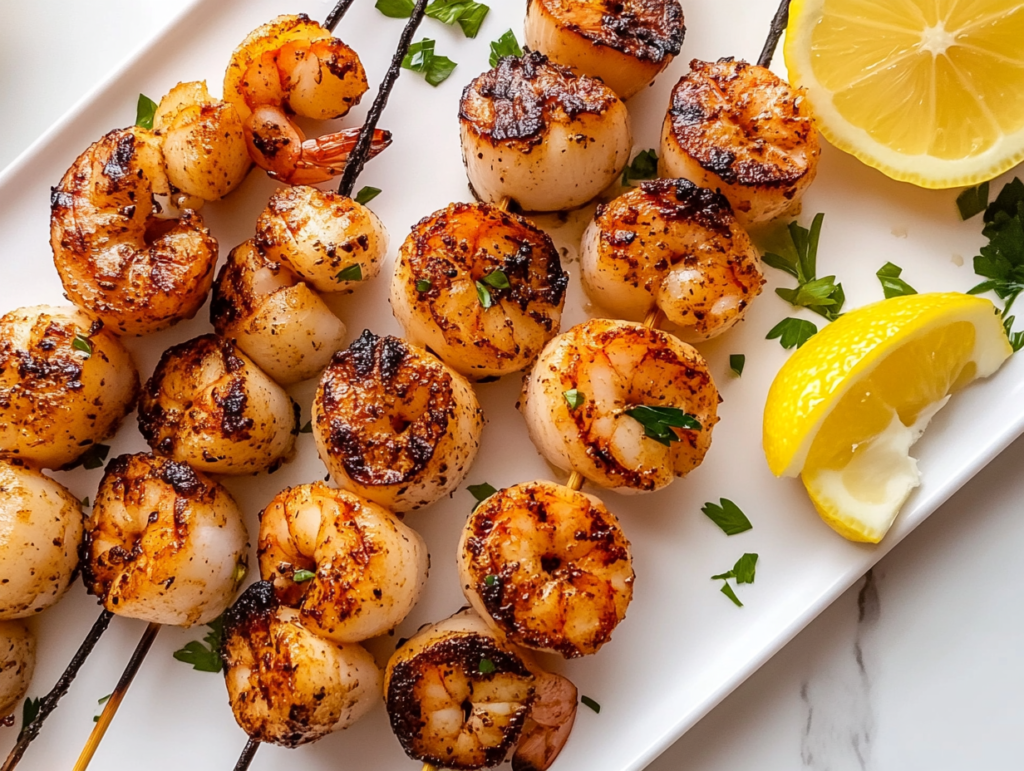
pixel 506 45
pixel 421 58
pixel 658 422
pixel 496 279
pixel 205 658
pixel 727 516
pixel 742 572
pixel 145 111
pixel 792 332
pixel 468 15
pixel 367 194
pixel 892 284
pixel 800 260
pixel 644 166
pixel 736 363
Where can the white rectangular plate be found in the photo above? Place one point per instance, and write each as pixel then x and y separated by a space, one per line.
pixel 684 646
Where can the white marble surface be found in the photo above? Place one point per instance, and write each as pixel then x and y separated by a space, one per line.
pixel 917 667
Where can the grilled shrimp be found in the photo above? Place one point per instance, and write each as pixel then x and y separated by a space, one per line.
pixel 587 405
pixel 203 143
pixel 287 685
pixel 480 287
pixel 208 405
pixel 273 316
pixel 115 259
pixel 40 532
pixel 292 65
pixel 537 133
pixel 740 129
pixel 164 543
pixel 17 663
pixel 548 566
pixel 460 696
pixel 369 566
pixel 323 237
pixel 395 425
pixel 625 43
pixel 671 245
pixel 66 383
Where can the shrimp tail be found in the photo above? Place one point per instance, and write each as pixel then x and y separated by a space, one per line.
pixel 325 156
pixel 549 724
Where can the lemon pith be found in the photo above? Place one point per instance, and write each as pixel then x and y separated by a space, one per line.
pixel 926 92
pixel 846 407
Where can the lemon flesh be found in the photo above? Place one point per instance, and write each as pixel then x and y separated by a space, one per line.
pixel 846 408
pixel 927 91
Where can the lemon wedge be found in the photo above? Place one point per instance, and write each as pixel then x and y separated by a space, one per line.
pixel 845 409
pixel 927 91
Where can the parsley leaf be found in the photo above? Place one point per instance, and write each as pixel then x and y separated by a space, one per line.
pixel 483 294
pixel 82 343
pixel 658 422
pixel 892 284
pixel 589 702
pixel 1002 260
pixel 29 712
pixel 94 456
pixel 574 398
pixel 481 492
pixel 205 658
pixel 145 111
pixel 506 45
pixel 728 592
pixel 497 279
pixel 85 502
pixel 353 272
pixel 743 572
pixel 308 428
pixel 736 363
pixel 423 285
pixel 468 15
pixel 421 58
pixel 644 166
pixel 486 666
pixel 792 332
pixel 491 580
pixel 1016 338
pixel 101 702
pixel 396 9
pixel 800 260
pixel 972 201
pixel 728 516
pixel 367 194
pixel 302 576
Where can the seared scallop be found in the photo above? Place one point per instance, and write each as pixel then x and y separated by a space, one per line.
pixel 208 405
pixel 625 43
pixel 395 425
pixel 538 133
pixel 480 287
pixel 17 663
pixel 66 383
pixel 40 533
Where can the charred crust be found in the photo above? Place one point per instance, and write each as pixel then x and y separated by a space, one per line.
pixel 253 609
pixel 462 652
pixel 681 200
pixel 182 477
pixel 648 30
pixel 517 100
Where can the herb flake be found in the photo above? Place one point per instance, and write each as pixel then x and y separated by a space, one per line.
pixel 506 45
pixel 83 344
pixel 353 272
pixel 145 111
pixel 205 657
pixel 422 59
pixel 423 285
pixel 307 428
pixel 486 667
pixel 481 492
pixel 728 516
pixel 792 333
pixel 302 576
pixel 95 456
pixel 491 580
pixel 367 194
pixel 972 201
pixel 468 15
pixel 892 284
pixel 727 590
pixel 497 279
pixel 736 363
pixel 658 422
pixel 1001 261
pixel 483 294
pixel 29 712
pixel 799 259
pixel 589 702
pixel 573 398
pixel 644 166
pixel 395 9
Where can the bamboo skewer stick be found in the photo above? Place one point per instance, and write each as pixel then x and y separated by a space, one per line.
pixel 774 34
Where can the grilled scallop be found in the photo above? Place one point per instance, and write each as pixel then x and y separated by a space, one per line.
pixel 208 405
pixel 287 685
pixel 273 316
pixel 625 43
pixel 627 407
pixel 739 129
pixel 329 240
pixel 537 133
pixel 395 425
pixel 17 663
pixel 40 532
pixel 671 245
pixel 116 260
pixel 481 288
pixel 66 383
pixel 360 568
pixel 164 543
pixel 548 566
pixel 459 696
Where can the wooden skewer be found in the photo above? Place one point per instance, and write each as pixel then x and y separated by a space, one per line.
pixel 247 754
pixel 110 709
pixel 774 34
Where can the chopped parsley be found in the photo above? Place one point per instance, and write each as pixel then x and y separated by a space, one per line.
pixel 1001 261
pixel 94 456
pixel 742 572
pixel 1016 338
pixel 85 502
pixel 589 702
pixel 396 9
pixel 468 15
pixel 481 492
pixel 800 260
pixel 892 284
pixel 423 285
pixel 727 516
pixel 574 398
pixel 973 201
pixel 644 166
pixel 302 576
pixel 736 363
pixel 497 279
pixel 82 343
pixel 29 712
pixel 491 580
pixel 145 111
pixel 101 702
pixel 205 657
pixel 727 590
pixel 351 273
pixel 421 58
pixel 367 194
pixel 483 294
pixel 486 667
pixel 792 333
pixel 307 428
pixel 658 422
pixel 506 45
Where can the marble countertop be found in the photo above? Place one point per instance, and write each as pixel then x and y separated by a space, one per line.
pixel 917 667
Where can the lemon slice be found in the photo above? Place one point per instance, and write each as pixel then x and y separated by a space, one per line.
pixel 845 409
pixel 927 91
